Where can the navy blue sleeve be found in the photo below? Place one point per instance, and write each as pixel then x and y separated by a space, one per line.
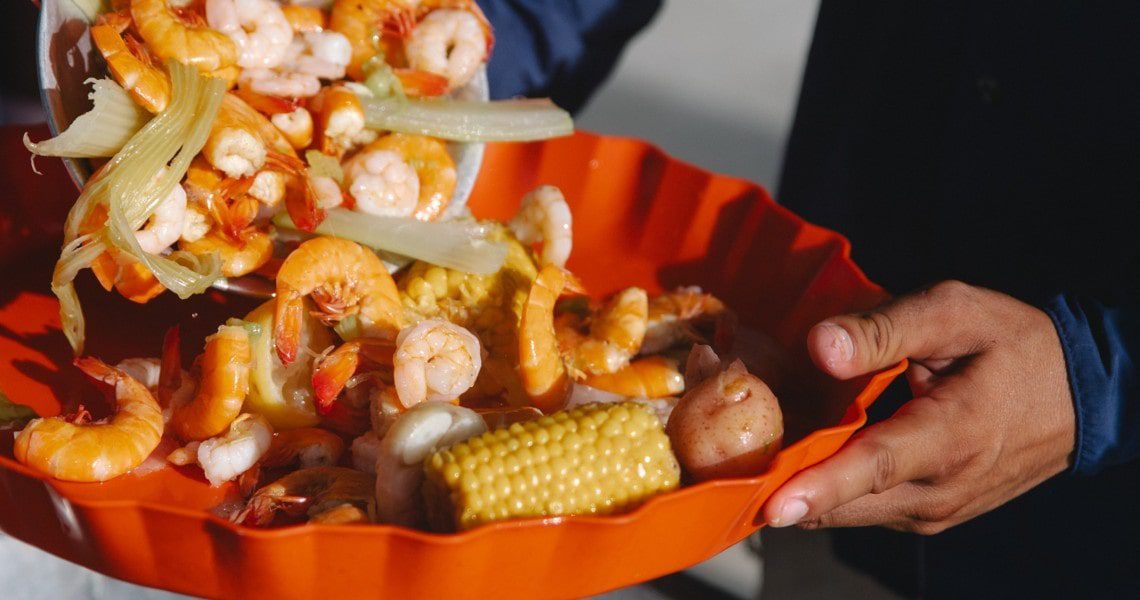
pixel 1101 345
pixel 561 49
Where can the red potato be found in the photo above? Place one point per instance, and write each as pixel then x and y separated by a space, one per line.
pixel 729 425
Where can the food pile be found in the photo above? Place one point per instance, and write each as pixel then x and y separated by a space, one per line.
pixel 229 130
pixel 478 383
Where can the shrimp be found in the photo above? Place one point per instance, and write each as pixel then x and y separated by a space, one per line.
pixel 449 42
pixel 251 251
pixel 75 450
pixel 544 217
pixel 434 169
pixel 340 121
pixel 164 226
pixel 382 184
pixel 332 372
pixel 416 435
pixel 616 335
pixel 225 457
pixel 258 28
pixel 225 199
pixel 650 377
pixel 241 139
pixel 307 446
pixel 297 126
pixel 365 450
pixel 268 187
pixel 196 225
pixel 358 21
pixel 169 36
pixel 344 279
pixel 119 271
pixel 544 376
pixel 435 360
pixel 312 492
pixel 673 315
pixel 311 57
pixel 129 64
pixel 222 388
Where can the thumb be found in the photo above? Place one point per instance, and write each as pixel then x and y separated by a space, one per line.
pixel 931 322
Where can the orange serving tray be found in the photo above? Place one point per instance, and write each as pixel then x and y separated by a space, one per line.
pixel 641 218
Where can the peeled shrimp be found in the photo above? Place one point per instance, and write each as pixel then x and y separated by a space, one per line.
pixel 651 377
pixel 345 279
pixel 169 35
pixel 164 226
pixel 258 28
pixel 312 492
pixel 545 217
pixel 306 446
pixel 129 64
pixel 195 225
pixel 433 167
pixel 268 187
pixel 80 451
pixel 450 42
pixel 225 457
pixel 416 434
pixel 382 183
pixel 544 376
pixel 435 360
pixel 311 57
pixel 222 388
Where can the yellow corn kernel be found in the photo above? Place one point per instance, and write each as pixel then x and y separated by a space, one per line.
pixel 592 460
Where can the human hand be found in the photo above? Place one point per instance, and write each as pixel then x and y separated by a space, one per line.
pixel 992 414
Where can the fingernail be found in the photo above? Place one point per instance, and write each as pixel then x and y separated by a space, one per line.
pixel 791 512
pixel 841 348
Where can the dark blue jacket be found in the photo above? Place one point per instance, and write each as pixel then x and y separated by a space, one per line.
pixel 993 142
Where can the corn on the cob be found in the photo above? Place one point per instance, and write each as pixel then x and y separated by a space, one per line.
pixel 487 305
pixel 595 459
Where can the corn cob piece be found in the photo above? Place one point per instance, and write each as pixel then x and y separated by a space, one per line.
pixel 487 305
pixel 592 460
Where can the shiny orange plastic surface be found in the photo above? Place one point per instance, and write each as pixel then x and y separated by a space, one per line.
pixel 640 218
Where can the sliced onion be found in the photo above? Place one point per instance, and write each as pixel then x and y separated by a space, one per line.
pixel 467 120
pixel 131 185
pixel 460 245
pixel 101 131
